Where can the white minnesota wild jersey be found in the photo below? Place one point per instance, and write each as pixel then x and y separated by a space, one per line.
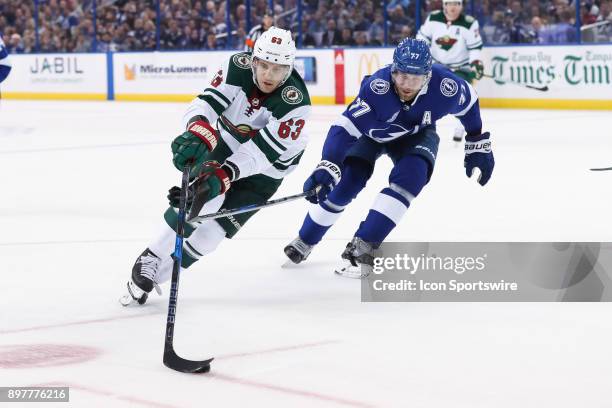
pixel 265 132
pixel 455 43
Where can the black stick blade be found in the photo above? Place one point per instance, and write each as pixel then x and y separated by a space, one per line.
pixel 602 169
pixel 173 361
pixel 538 88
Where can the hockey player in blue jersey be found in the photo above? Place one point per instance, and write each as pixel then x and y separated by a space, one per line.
pixel 395 113
pixel 5 64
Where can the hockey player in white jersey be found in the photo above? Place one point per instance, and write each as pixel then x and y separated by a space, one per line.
pixel 455 41
pixel 243 136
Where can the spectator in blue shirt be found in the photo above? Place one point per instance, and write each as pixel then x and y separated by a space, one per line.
pixel 562 32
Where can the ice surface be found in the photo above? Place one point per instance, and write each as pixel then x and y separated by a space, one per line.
pixel 83 188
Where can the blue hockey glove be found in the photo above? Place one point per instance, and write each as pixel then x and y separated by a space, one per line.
pixel 326 175
pixel 478 154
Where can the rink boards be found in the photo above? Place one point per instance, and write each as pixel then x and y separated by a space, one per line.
pixel 555 77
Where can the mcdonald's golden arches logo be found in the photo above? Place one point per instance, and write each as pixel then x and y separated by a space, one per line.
pixel 370 62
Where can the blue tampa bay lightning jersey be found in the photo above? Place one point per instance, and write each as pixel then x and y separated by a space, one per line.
pixel 378 112
pixel 5 65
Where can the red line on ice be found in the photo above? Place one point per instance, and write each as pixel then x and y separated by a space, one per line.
pixel 78 323
pixel 286 390
pixel 276 349
pixel 236 380
pixel 106 393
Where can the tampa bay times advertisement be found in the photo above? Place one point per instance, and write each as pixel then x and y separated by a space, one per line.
pixel 489 272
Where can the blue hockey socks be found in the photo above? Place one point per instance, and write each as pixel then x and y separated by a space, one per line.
pixel 406 181
pixel 322 216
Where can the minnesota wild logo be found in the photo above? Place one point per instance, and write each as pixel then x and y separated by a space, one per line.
pixel 242 61
pixel 446 42
pixel 292 95
pixel 244 128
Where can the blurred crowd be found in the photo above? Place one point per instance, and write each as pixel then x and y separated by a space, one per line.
pixel 131 25
pixel 543 21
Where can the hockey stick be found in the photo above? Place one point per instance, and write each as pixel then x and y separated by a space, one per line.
pixel 251 207
pixel 171 359
pixel 601 168
pixel 537 88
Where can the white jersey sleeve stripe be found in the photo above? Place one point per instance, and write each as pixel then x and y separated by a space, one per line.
pixel 473 99
pixel 265 134
pixel 346 123
pixel 222 102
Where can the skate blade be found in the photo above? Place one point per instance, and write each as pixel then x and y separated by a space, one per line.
pixel 287 264
pixel 350 271
pixel 126 300
pixel 130 298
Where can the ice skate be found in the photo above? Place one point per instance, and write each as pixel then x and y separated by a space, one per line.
pixel 143 279
pixel 359 257
pixel 297 251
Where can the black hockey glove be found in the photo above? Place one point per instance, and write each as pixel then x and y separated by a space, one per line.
pixel 174 196
pixel 212 181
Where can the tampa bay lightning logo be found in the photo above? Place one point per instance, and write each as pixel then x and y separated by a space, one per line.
pixel 448 87
pixel 392 132
pixel 379 86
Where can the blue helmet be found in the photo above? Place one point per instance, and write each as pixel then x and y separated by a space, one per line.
pixel 412 56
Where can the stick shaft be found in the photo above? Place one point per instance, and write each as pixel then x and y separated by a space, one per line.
pixel 252 207
pixel 178 256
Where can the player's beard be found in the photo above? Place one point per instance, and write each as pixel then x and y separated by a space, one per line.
pixel 406 96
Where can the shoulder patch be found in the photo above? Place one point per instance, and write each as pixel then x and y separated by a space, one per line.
pixel 437 16
pixel 242 61
pixel 448 87
pixel 292 95
pixel 464 21
pixel 380 86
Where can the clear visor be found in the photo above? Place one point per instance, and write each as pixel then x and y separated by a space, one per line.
pixel 270 71
pixel 411 81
